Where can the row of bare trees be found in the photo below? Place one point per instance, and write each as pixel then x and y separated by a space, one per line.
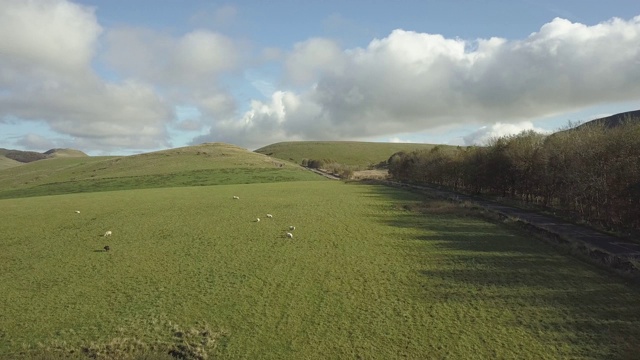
pixel 591 171
pixel 332 167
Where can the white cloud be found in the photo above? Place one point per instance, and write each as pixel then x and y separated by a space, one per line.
pixel 46 75
pixel 403 83
pixel 485 134
pixel 409 82
pixel 35 142
pixel 312 59
pixel 104 115
pixel 396 139
pixel 43 37
pixel 192 60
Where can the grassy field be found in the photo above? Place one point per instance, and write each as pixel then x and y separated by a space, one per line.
pixel 372 272
pixel 207 164
pixel 344 152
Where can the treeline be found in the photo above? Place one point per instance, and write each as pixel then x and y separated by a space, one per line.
pixel 592 172
pixel 327 165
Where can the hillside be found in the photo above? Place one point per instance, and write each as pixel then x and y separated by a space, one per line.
pixel 10 158
pixel 206 164
pixel 344 152
pixel 613 121
pixel 6 163
pixel 64 153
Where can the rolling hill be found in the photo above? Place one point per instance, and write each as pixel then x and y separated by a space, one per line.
pixel 615 120
pixel 10 158
pixel 206 164
pixel 354 153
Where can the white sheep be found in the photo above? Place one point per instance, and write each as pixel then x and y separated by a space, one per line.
pixel 236 197
pixel 290 235
pixel 108 233
pixel 292 227
pixel 270 216
pixel 77 211
pixel 257 219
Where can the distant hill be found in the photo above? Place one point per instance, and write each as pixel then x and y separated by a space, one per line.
pixel 64 153
pixel 10 158
pixel 614 120
pixel 206 164
pixel 355 153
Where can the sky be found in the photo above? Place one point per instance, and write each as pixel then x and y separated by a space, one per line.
pixel 120 77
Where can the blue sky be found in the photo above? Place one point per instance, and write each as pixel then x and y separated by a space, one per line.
pixel 123 77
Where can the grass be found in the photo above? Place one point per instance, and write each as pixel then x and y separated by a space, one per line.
pixel 344 152
pixel 207 164
pixel 180 179
pixel 6 163
pixel 373 272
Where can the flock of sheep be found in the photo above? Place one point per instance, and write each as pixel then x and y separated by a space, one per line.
pixel 288 234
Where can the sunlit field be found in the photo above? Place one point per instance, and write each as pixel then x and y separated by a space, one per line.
pixel 201 165
pixel 365 276
pixel 354 153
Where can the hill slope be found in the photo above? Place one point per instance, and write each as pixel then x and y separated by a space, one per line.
pixel 616 120
pixel 345 152
pixel 10 158
pixel 206 164
pixel 6 163
pixel 65 153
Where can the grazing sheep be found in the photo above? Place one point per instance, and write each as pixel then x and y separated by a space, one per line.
pixel 257 219
pixel 108 233
pixel 292 227
pixel 77 211
pixel 236 197
pixel 107 248
pixel 290 235
pixel 269 216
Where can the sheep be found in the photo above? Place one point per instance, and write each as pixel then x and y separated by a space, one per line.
pixel 257 219
pixel 108 233
pixel 270 216
pixel 77 211
pixel 107 248
pixel 236 197
pixel 290 235
pixel 292 227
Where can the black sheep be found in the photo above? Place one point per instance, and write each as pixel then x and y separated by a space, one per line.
pixel 107 248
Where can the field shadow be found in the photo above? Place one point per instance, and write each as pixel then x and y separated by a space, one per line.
pixel 469 258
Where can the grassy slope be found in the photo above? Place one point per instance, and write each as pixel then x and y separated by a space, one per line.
pixel 6 163
pixel 207 164
pixel 344 152
pixel 363 278
pixel 65 153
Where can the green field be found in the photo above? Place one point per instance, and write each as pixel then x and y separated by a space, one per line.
pixel 207 164
pixel 366 276
pixel 344 152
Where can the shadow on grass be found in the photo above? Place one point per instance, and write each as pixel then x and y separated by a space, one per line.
pixel 469 259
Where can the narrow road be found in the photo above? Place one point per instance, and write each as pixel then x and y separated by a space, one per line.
pixel 590 237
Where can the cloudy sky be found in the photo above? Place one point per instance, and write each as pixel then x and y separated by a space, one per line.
pixel 122 77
